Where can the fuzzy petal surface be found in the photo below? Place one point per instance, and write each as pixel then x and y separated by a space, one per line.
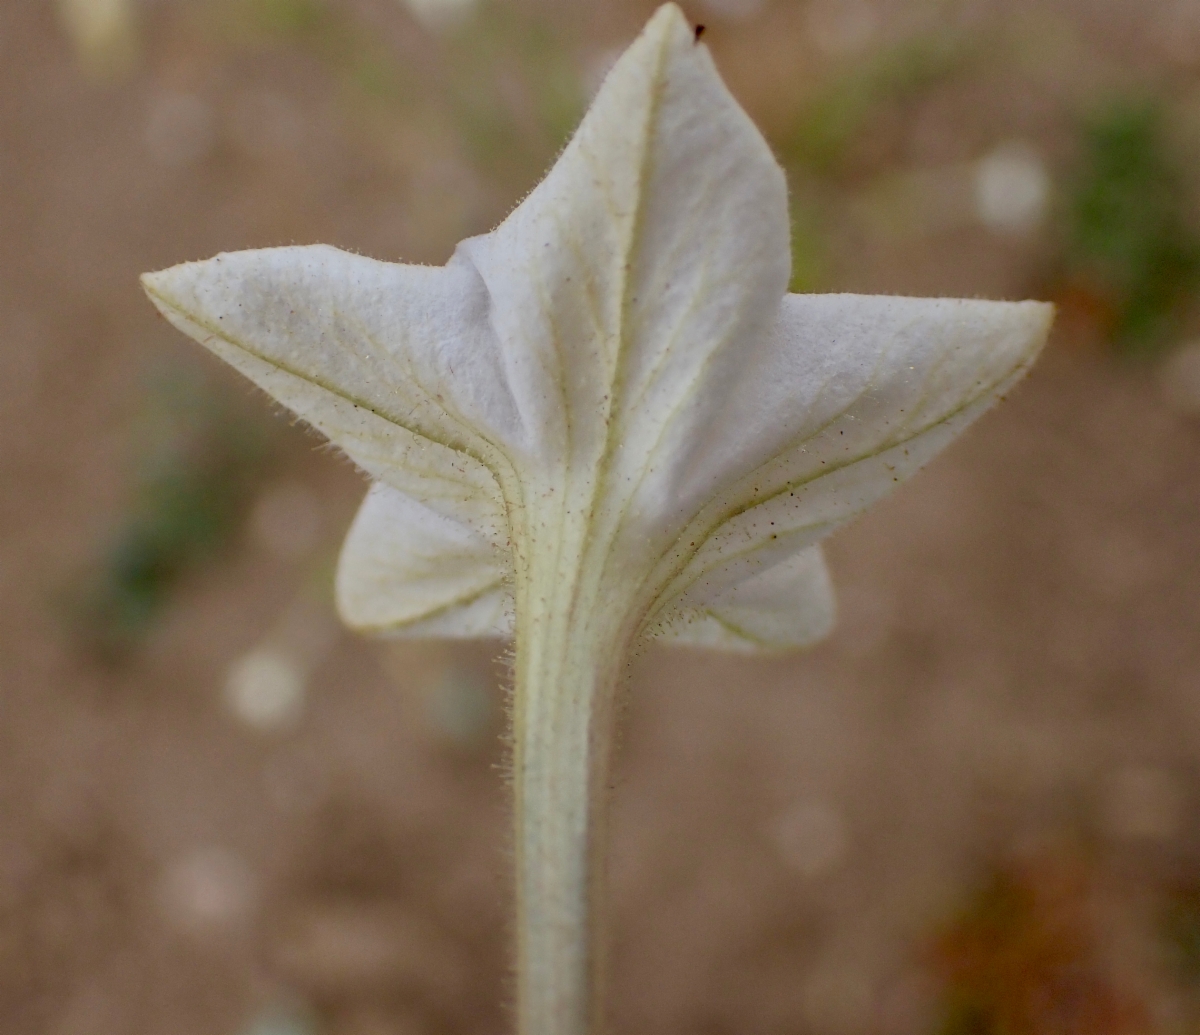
pixel 657 245
pixel 407 570
pixel 846 398
pixel 786 607
pixel 393 363
pixel 613 381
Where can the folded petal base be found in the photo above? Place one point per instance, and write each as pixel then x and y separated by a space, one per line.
pixel 407 570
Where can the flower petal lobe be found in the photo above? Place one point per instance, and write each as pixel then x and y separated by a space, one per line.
pixel 849 396
pixel 786 607
pixel 408 570
pixel 390 362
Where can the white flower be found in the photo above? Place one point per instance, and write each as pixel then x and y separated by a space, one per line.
pixel 604 420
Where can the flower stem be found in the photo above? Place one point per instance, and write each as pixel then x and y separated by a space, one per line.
pixel 568 663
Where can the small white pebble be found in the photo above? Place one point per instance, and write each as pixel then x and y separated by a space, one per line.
pixel 1142 804
pixel 440 15
pixel 812 838
pixel 1179 378
pixel 266 690
pixel 103 32
pixel 1012 189
pixel 282 1020
pixel 180 130
pixel 207 889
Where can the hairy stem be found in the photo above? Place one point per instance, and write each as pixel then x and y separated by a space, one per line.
pixel 570 655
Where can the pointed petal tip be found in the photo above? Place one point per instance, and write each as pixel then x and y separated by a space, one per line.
pixel 1039 314
pixel 1037 319
pixel 151 282
pixel 165 289
pixel 1047 311
pixel 156 287
pixel 668 18
pixel 157 283
pixel 668 27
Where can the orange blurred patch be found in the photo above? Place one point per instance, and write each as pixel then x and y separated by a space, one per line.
pixel 1024 957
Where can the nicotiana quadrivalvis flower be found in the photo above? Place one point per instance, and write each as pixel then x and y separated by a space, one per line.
pixel 604 421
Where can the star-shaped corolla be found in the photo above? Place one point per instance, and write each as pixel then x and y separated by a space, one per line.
pixel 605 420
pixel 619 355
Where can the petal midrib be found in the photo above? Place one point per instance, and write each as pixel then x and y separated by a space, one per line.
pixel 593 562
pixel 498 464
pixel 670 588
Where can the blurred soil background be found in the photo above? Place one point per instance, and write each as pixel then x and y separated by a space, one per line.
pixel 972 812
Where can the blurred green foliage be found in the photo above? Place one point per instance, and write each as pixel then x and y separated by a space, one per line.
pixel 843 110
pixel 1181 934
pixel 515 93
pixel 328 31
pixel 292 17
pixel 512 87
pixel 808 252
pixel 198 457
pixel 841 113
pixel 1129 240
